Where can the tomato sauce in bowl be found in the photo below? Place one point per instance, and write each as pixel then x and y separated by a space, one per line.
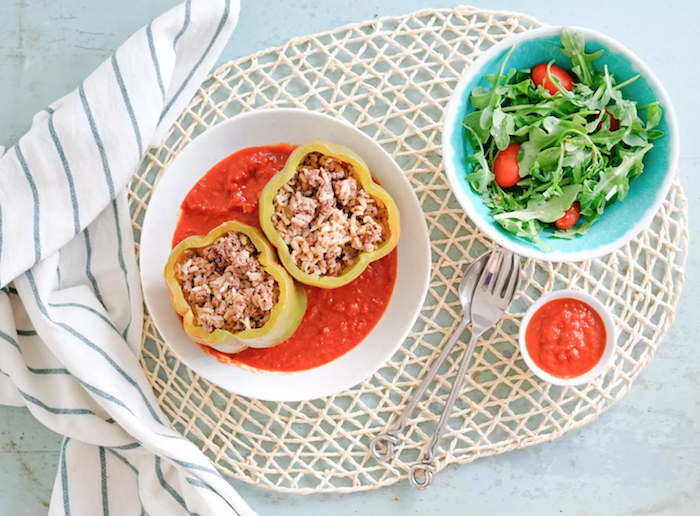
pixel 566 338
pixel 336 320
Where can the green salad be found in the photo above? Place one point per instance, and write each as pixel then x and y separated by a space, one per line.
pixel 553 148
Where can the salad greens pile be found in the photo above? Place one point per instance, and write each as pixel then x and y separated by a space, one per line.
pixel 568 150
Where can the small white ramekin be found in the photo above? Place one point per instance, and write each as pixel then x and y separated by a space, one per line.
pixel 610 342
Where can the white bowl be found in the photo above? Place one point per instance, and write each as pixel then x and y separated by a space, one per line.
pixel 610 343
pixel 267 127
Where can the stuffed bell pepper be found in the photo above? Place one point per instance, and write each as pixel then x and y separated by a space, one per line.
pixel 231 291
pixel 326 215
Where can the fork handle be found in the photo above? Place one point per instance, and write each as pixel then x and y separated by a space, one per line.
pixel 428 465
pixel 390 438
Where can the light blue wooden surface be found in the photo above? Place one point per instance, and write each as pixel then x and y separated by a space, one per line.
pixel 640 458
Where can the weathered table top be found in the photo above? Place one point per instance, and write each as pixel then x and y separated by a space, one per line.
pixel 640 458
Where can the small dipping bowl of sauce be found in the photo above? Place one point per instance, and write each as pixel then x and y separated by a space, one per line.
pixel 568 338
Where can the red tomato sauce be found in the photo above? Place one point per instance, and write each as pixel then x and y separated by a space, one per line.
pixel 336 320
pixel 230 190
pixel 566 338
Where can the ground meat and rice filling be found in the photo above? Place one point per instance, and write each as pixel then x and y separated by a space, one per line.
pixel 325 216
pixel 226 285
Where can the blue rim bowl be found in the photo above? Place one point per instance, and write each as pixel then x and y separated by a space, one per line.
pixel 622 221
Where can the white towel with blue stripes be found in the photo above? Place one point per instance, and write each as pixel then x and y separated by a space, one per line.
pixel 70 306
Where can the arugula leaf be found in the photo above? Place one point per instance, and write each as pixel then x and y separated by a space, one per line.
pixel 614 181
pixel 576 154
pixel 574 46
pixel 538 140
pixel 473 121
pixel 635 139
pixel 653 115
pixel 529 230
pixel 550 210
pixel 481 174
pixel 502 126
pixel 486 118
pixel 480 97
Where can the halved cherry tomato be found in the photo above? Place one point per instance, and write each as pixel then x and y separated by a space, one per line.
pixel 570 216
pixel 614 122
pixel 539 75
pixel 506 166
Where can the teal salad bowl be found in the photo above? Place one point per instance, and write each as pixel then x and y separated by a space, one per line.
pixel 622 220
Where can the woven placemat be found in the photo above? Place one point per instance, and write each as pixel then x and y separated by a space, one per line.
pixel 392 78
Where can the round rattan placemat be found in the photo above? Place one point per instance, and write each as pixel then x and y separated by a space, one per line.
pixel 392 78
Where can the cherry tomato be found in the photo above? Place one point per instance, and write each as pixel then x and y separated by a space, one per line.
pixel 614 122
pixel 570 216
pixel 539 75
pixel 506 166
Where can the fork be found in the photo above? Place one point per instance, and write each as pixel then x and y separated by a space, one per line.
pixel 493 294
pixel 390 438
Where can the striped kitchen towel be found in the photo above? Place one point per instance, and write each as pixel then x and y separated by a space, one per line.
pixel 70 306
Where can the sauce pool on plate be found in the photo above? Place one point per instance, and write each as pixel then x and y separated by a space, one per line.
pixel 230 190
pixel 566 338
pixel 336 320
